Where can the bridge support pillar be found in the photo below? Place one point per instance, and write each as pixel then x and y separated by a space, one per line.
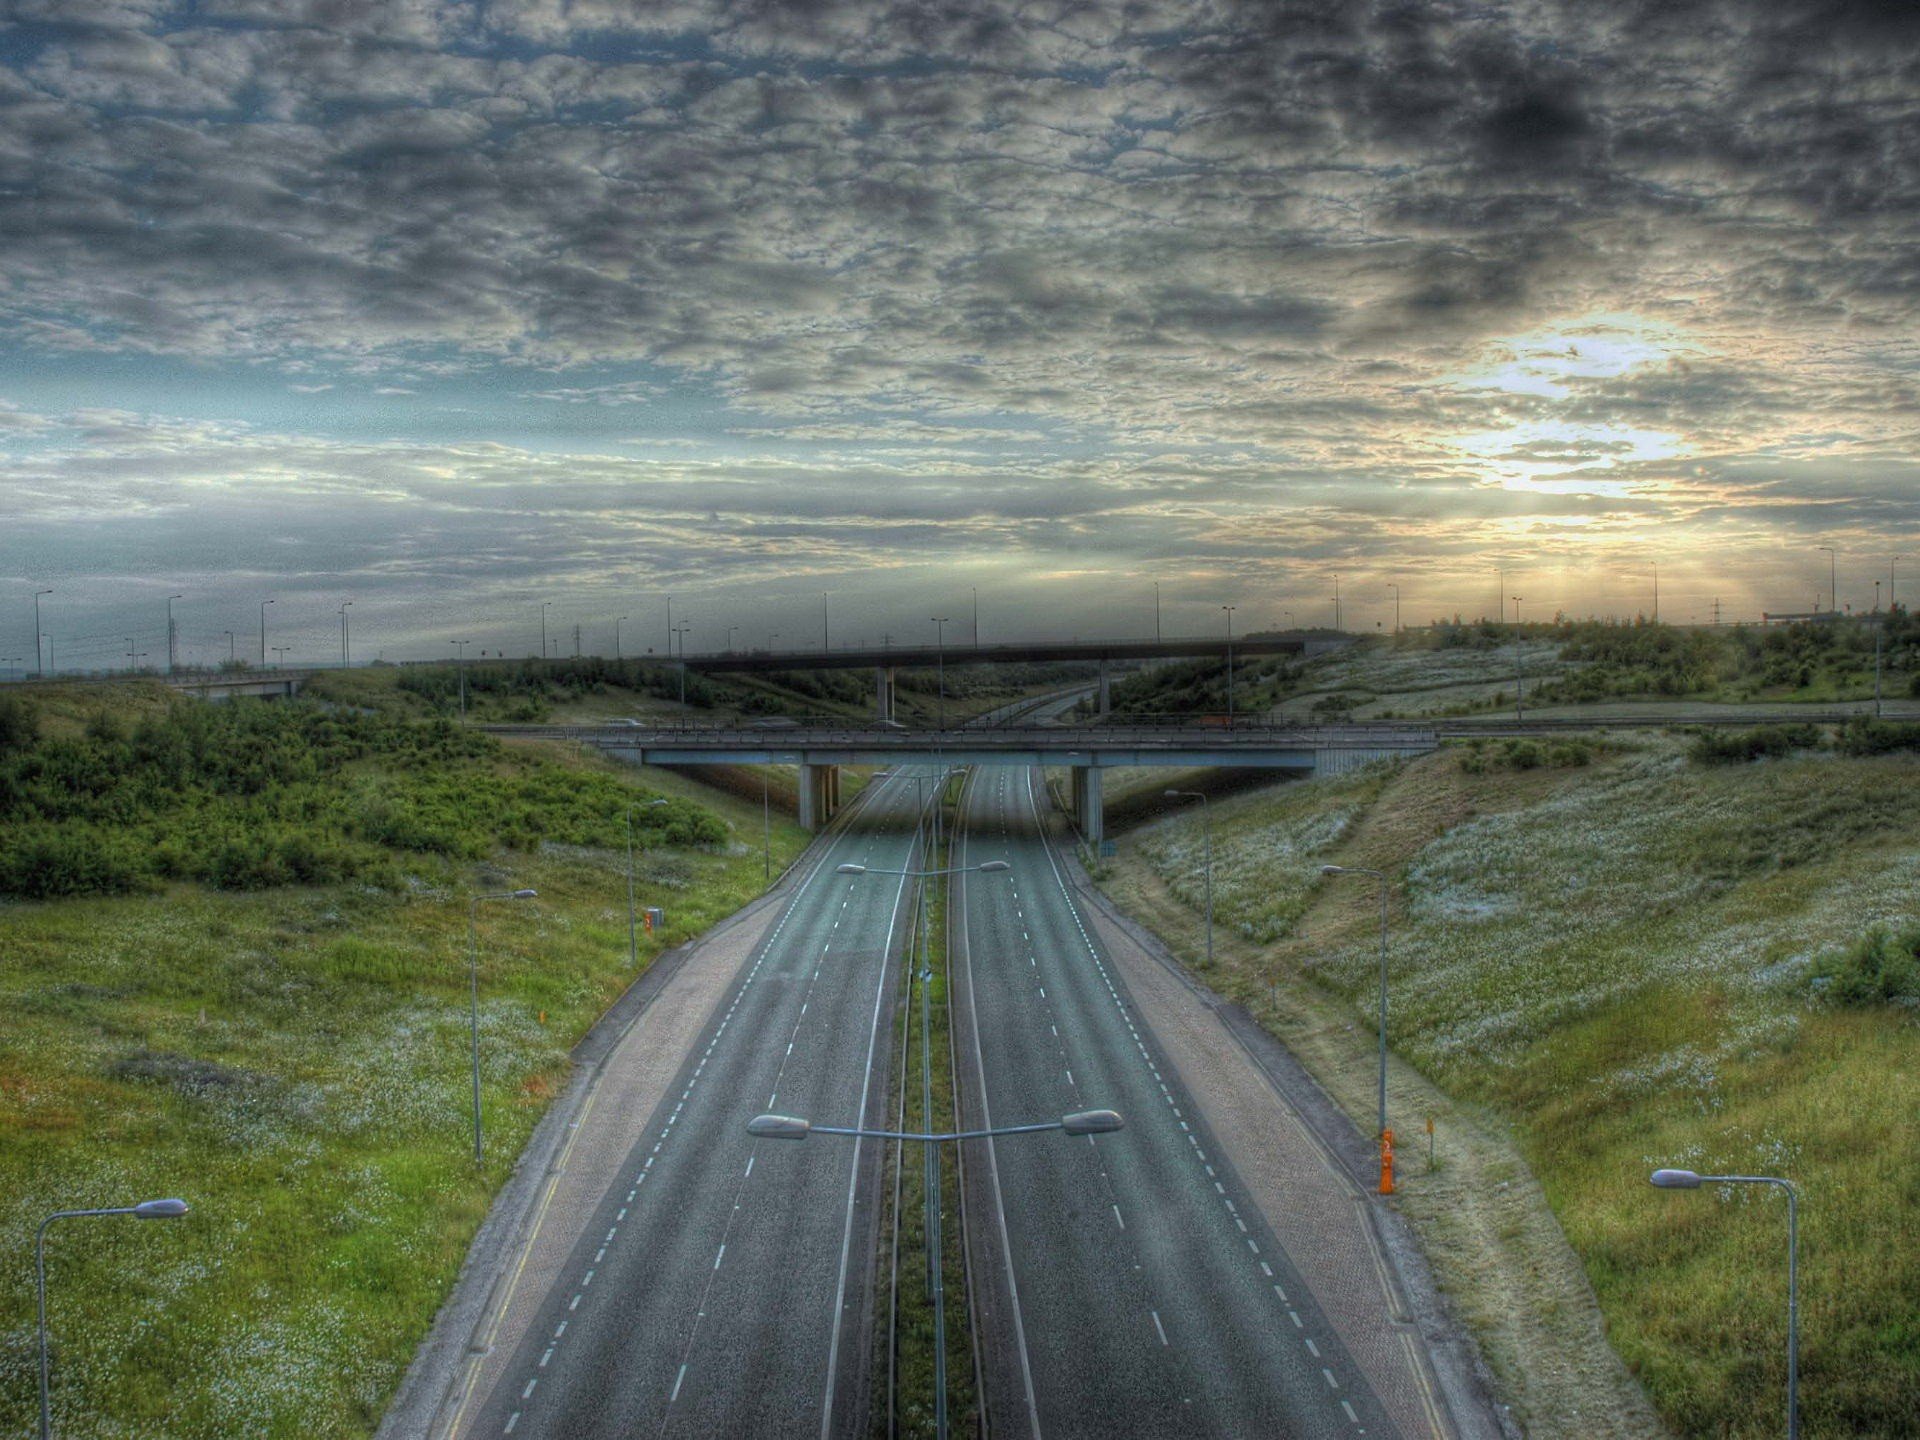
pixel 883 692
pixel 1106 691
pixel 1088 811
pixel 819 795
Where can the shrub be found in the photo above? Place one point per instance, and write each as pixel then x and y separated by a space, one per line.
pixel 19 723
pixel 1879 968
pixel 1729 747
pixel 1880 737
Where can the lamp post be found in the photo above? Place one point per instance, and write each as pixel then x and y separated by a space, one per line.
pixel 145 1210
pixel 1688 1180
pixel 616 638
pixel 39 671
pixel 1893 562
pixel 1206 817
pixel 460 663
pixel 346 637
pixel 1230 609
pixel 1833 577
pixel 936 1284
pixel 1156 612
pixel 230 644
pixel 263 632
pixel 793 1127
pixel 545 605
pixel 1396 606
pixel 173 645
pixel 633 937
pixel 682 633
pixel 473 984
pixel 976 617
pixel 1386 1172
pixel 940 645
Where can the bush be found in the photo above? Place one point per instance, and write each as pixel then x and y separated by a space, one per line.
pixel 19 723
pixel 1729 747
pixel 1880 737
pixel 1525 754
pixel 1879 968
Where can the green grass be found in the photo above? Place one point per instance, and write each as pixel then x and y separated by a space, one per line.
pixel 1621 960
pixel 294 1062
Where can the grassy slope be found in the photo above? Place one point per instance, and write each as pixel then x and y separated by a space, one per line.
pixel 294 1062
pixel 1612 959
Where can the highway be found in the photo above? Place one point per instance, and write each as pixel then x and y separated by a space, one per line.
pixel 1123 1284
pixel 724 1285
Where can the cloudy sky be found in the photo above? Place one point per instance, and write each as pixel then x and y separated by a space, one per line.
pixel 452 309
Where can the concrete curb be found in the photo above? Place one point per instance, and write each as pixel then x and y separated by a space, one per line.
pixel 1459 1371
pixel 419 1407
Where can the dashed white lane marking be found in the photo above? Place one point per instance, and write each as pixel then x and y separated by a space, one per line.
pixel 1158 1326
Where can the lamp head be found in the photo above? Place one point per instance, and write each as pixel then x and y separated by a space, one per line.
pixel 160 1209
pixel 1092 1122
pixel 1333 869
pixel 1675 1179
pixel 524 895
pixel 850 869
pixel 778 1127
pixel 993 867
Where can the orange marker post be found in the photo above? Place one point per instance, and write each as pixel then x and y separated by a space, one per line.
pixel 1386 1162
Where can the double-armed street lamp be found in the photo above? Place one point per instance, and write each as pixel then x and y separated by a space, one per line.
pixel 794 1127
pixel 936 1285
pixel 633 939
pixel 263 632
pixel 346 635
pixel 1206 818
pixel 145 1210
pixel 1385 1135
pixel 1689 1180
pixel 473 982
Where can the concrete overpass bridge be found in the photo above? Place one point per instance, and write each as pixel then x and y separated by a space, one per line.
pixel 819 750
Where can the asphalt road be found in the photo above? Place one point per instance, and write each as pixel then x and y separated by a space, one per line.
pixel 1123 1284
pixel 724 1287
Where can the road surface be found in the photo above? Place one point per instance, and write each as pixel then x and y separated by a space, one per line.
pixel 723 1285
pixel 1129 1283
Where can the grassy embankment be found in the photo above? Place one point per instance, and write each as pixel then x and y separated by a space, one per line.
pixel 259 1002
pixel 1614 965
pixel 903 1221
pixel 1464 669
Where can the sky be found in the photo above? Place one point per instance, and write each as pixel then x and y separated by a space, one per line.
pixel 471 314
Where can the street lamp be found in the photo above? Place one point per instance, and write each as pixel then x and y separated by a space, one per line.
pixel 230 644
pixel 1688 1180
pixel 263 632
pixel 1385 1135
pixel 1833 576
pixel 1396 606
pixel 633 938
pixel 940 643
pixel 346 636
pixel 460 663
pixel 936 1284
pixel 145 1210
pixel 473 980
pixel 545 605
pixel 1230 609
pixel 173 648
pixel 39 671
pixel 1206 816
pixel 616 639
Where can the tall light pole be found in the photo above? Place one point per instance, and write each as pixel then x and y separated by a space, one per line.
pixel 940 645
pixel 1230 609
pixel 145 1210
pixel 936 1281
pixel 263 632
pixel 460 663
pixel 682 633
pixel 173 647
pixel 731 631
pixel 1396 606
pixel 1892 561
pixel 1833 577
pixel 1688 1180
pixel 616 639
pixel 1385 1135
pixel 230 655
pixel 544 606
pixel 1516 609
pixel 1156 612
pixel 346 637
pixel 1206 819
pixel 1336 602
pixel 39 670
pixel 976 617
pixel 473 982
pixel 633 936
pixel 669 627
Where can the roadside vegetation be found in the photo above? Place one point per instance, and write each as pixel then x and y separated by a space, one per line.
pixel 587 688
pixel 289 1051
pixel 1456 667
pixel 1650 957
